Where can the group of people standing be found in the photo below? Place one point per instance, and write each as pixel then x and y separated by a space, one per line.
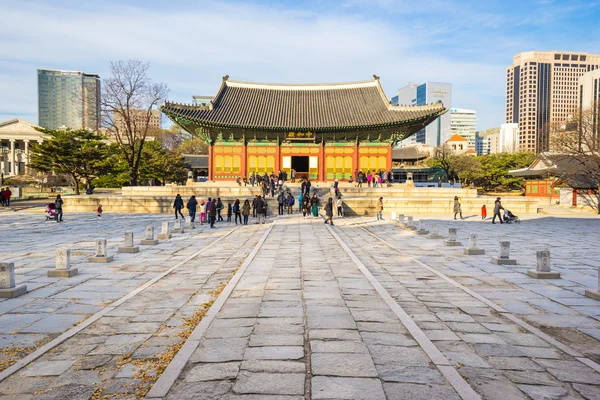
pixel 5 195
pixel 373 178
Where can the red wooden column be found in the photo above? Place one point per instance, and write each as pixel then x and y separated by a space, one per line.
pixel 321 164
pixel 389 158
pixel 355 159
pixel 244 163
pixel 211 162
pixel 278 158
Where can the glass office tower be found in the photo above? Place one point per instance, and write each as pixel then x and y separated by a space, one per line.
pixel 68 98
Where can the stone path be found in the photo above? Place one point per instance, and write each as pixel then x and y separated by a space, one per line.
pixel 338 314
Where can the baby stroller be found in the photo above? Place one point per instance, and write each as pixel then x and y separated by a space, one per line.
pixel 509 217
pixel 50 211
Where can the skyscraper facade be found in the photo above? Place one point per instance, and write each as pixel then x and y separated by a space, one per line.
pixel 429 92
pixel 541 90
pixel 463 123
pixel 68 98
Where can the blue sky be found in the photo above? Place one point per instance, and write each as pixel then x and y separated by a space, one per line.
pixel 191 44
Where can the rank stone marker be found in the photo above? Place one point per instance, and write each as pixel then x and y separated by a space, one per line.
pixel 473 249
pixel 435 232
pixel 8 289
pixel 63 265
pixel 452 238
pixel 128 246
pixel 504 258
pixel 164 233
pixel 178 228
pixel 594 293
pixel 149 240
pixel 409 224
pixel 543 269
pixel 401 220
pixel 393 215
pixel 101 255
pixel 188 223
pixel 422 230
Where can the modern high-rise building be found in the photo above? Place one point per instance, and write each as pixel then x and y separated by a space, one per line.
pixel 463 123
pixel 589 96
pixel 68 98
pixel 542 89
pixel 429 92
pixel 138 119
pixel 484 139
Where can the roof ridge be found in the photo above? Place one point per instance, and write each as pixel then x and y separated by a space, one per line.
pixel 298 85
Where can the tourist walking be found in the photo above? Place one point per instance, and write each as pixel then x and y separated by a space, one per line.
pixel 290 208
pixel 483 212
pixel 307 187
pixel 300 199
pixel 329 211
pixel 340 206
pixel 99 210
pixel 202 212
pixel 220 207
pixel 314 204
pixel 237 211
pixel 379 209
pixel 457 207
pixel 192 205
pixel 212 211
pixel 6 196
pixel 2 196
pixel 259 209
pixel 305 205
pixel 58 204
pixel 281 202
pixel 229 211
pixel 178 205
pixel 293 175
pixel 254 202
pixel 246 211
pixel 497 208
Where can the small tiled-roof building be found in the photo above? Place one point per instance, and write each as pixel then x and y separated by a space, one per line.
pixel 322 131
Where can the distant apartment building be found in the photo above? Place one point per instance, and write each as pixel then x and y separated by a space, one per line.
pixel 484 140
pixel 542 89
pixel 138 120
pixel 438 131
pixel 463 123
pixel 68 99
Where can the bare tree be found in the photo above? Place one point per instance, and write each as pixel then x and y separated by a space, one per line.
pixel 576 153
pixel 128 99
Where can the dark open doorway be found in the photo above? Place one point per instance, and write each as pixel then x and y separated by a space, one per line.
pixel 300 164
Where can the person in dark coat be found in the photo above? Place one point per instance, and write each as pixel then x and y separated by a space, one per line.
pixel 178 205
pixel 329 211
pixel 237 211
pixel 58 203
pixel 497 208
pixel 212 212
pixel 307 187
pixel 281 202
pixel 192 204
pixel 259 209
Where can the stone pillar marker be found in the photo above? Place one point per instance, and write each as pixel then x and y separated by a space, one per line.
pixel 149 238
pixel 393 215
pixel 101 255
pixel 8 289
pixel 165 232
pixel 128 246
pixel 474 246
pixel 401 220
pixel 188 223
pixel 594 293
pixel 178 227
pixel 504 258
pixel 435 232
pixel 543 269
pixel 63 265
pixel 422 230
pixel 452 232
pixel 409 224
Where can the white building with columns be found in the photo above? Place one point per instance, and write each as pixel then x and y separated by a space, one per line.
pixel 16 136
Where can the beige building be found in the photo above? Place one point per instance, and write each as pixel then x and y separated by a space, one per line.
pixel 139 119
pixel 542 89
pixel 16 136
pixel 589 96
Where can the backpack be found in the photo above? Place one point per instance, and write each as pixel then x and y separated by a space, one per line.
pixel 291 200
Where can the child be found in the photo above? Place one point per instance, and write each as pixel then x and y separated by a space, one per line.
pixel 202 212
pixel 483 212
pixel 99 210
pixel 229 211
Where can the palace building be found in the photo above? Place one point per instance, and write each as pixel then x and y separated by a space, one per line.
pixel 323 131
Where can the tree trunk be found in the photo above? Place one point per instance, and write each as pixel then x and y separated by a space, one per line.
pixel 76 185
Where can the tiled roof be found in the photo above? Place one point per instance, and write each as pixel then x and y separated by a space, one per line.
pixel 457 138
pixel 408 153
pixel 317 107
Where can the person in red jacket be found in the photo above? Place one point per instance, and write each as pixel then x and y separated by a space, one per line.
pixel 483 212
pixel 7 194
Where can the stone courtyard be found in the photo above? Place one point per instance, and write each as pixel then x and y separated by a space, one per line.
pixel 295 309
